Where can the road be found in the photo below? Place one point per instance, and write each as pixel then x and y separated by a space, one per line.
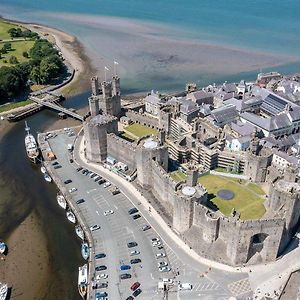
pixel 119 228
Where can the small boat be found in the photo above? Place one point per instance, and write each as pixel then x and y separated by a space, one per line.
pixel 61 201
pixel 82 280
pixel 71 217
pixel 3 291
pixel 2 247
pixel 43 170
pixel 47 177
pixel 79 232
pixel 85 251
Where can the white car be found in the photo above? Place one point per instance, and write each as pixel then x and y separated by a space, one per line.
pixel 107 184
pixel 159 255
pixel 72 190
pixel 164 269
pixel 155 240
pixel 185 286
pixel 156 244
pixel 101 276
pixel 108 212
pixel 168 280
pixel 134 252
pixel 162 264
pixel 94 227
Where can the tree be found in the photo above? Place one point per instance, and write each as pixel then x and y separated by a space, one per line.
pixel 10 82
pixel 35 75
pixel 7 46
pixel 13 60
pixel 48 70
pixel 25 54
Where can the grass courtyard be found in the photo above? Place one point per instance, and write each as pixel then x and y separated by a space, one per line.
pixel 136 131
pixel 247 197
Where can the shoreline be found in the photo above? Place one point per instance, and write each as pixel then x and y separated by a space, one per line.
pixel 73 53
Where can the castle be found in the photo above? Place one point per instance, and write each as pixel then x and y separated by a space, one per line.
pixel 187 135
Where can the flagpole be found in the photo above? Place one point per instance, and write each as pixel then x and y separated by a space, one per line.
pixel 115 67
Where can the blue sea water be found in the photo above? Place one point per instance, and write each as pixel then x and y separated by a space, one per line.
pixel 263 26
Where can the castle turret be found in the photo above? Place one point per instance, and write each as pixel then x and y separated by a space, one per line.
pixel 94 105
pixel 95 86
pixel 192 175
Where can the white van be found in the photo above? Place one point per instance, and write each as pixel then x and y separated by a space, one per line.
pixel 184 286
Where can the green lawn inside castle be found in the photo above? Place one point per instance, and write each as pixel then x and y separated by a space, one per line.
pixel 248 197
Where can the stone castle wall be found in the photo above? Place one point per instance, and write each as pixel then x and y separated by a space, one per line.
pixel 143 119
pixel 121 150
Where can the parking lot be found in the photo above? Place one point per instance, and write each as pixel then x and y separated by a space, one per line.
pixel 117 229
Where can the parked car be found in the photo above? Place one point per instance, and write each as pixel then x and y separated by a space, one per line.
pixel 156 244
pixel 164 269
pixel 55 163
pixel 92 175
pixel 135 217
pixel 79 201
pixel 129 298
pixel 155 240
pixel 135 261
pixel 168 280
pixel 106 184
pixel 132 244
pixel 101 276
pixel 162 264
pixel 71 160
pixel 100 255
pixel 125 276
pixel 136 292
pixel 146 227
pixel 94 227
pixel 57 167
pixel 101 295
pixel 101 181
pixel 185 286
pixel 161 254
pixel 133 210
pixel 101 268
pixel 134 286
pixel 67 181
pixel 79 169
pixel 134 252
pixel 108 212
pixel 124 267
pixel 72 190
pixel 102 285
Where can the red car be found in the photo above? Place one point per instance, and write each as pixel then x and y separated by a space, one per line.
pixel 135 286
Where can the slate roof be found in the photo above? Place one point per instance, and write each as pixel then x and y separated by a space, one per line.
pixel 224 114
pixel 188 106
pixel 199 95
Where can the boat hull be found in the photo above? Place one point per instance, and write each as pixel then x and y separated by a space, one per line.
pixel 71 217
pixel 79 232
pixel 61 201
pixel 3 291
pixel 83 280
pixel 85 251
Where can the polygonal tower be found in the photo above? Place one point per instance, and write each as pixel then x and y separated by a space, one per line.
pixel 95 86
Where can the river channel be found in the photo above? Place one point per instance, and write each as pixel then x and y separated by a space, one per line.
pixel 23 191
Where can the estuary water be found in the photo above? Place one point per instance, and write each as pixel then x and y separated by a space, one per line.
pixel 162 44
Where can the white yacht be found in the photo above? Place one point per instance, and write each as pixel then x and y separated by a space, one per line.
pixel 61 201
pixel 71 217
pixel 79 232
pixel 3 291
pixel 82 280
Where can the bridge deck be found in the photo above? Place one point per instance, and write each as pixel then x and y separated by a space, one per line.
pixel 50 103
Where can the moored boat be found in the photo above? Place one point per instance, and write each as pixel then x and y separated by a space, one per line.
pixel 47 177
pixel 85 251
pixel 71 217
pixel 61 201
pixel 3 291
pixel 43 170
pixel 79 232
pixel 82 280
pixel 2 247
pixel 31 146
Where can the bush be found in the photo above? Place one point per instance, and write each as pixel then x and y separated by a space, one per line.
pixel 25 54
pixel 13 60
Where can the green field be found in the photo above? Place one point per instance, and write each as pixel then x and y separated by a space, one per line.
pixel 137 131
pixel 18 47
pixel 178 176
pixel 10 106
pixel 4 27
pixel 247 200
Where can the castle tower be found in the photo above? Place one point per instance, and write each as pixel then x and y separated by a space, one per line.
pixel 95 133
pixel 192 175
pixel 148 151
pixel 164 120
pixel 105 103
pixel 183 209
pixel 94 105
pixel 116 96
pixel 95 86
pixel 161 137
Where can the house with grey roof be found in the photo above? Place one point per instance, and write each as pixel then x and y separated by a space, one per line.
pixel 153 103
pixel 189 110
pixel 223 115
pixel 201 97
